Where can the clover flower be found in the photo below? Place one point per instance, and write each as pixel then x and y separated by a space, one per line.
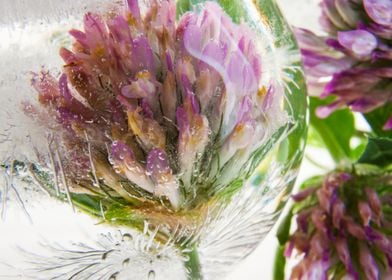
pixel 158 111
pixel 353 62
pixel 343 228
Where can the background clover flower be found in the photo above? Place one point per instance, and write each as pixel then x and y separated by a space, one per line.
pixel 153 110
pixel 343 228
pixel 353 62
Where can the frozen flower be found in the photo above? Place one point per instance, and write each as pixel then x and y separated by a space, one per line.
pixel 353 62
pixel 150 109
pixel 344 211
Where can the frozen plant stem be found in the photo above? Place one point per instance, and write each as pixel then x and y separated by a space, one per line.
pixel 192 264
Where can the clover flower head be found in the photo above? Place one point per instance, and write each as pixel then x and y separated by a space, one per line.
pixel 344 211
pixel 154 109
pixel 353 61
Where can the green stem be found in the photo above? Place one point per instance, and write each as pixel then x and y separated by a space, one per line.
pixel 192 264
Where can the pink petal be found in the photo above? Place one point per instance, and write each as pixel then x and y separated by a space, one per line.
pixel 148 131
pixel 193 136
pixel 365 212
pixel 374 202
pixel 379 11
pixel 368 263
pixel 360 42
pixel 124 162
pixel 338 212
pixel 142 55
pixel 168 97
pixel 354 229
pixel 388 124
pixel 343 252
pixel 160 171
pixel 319 219
pixel 133 6
pixel 158 164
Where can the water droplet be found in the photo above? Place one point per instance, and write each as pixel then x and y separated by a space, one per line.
pixel 113 276
pixel 106 254
pixel 127 237
pixel 126 262
pixel 151 275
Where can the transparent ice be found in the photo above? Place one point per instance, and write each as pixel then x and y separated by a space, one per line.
pixel 42 238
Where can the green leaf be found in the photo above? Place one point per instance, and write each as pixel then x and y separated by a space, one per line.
pixel 280 263
pixel 311 182
pixel 88 203
pixel 335 131
pixel 234 8
pixel 378 152
pixel 184 6
pixel 377 119
pixel 283 231
pixel 314 139
pixel 356 152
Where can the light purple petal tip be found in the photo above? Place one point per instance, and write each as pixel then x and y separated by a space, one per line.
pixel 330 12
pixel 94 27
pixel 304 194
pixel 66 116
pixel 289 249
pixel 147 111
pixel 215 52
pixel 325 111
pixel 318 220
pixel 344 176
pixel 310 41
pixel 120 152
pixel 343 252
pixel 374 201
pixel 169 62
pixel 338 212
pixel 360 42
pixel 182 120
pixel 157 163
pixel 133 6
pixel 354 229
pixel 303 219
pixel 120 30
pixel 64 89
pixel 388 124
pixel 368 263
pixel 379 10
pixel 194 103
pixel 143 55
pixel 79 36
pixel 365 212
